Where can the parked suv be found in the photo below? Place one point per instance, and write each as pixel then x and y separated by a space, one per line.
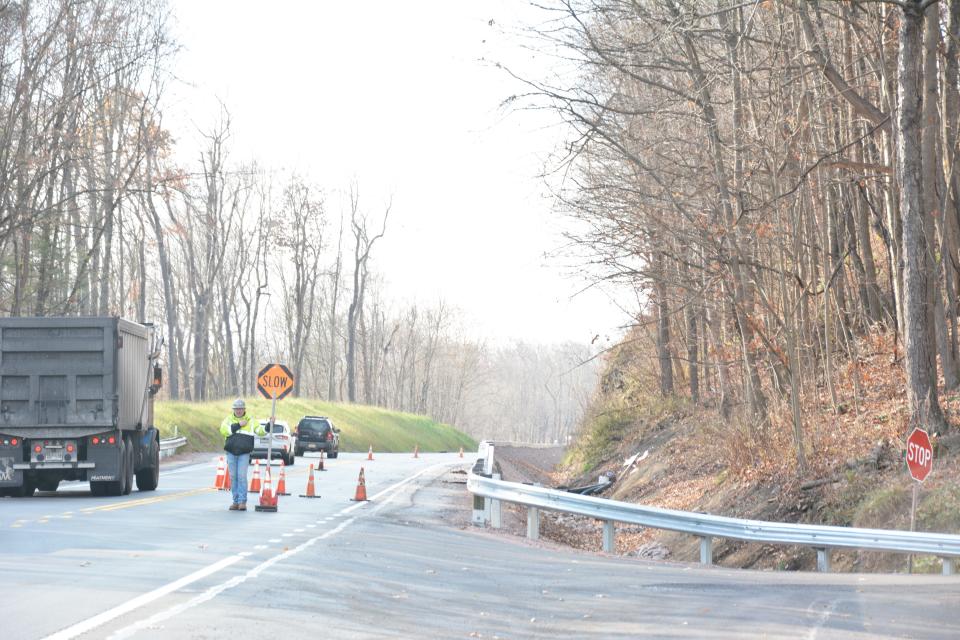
pixel 317 433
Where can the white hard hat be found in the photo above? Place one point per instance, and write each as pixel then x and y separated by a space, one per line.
pixel 239 404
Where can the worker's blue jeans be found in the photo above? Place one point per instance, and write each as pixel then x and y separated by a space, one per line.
pixel 237 465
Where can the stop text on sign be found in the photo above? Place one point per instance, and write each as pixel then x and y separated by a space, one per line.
pixel 920 455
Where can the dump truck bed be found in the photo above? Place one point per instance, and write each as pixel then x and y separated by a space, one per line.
pixel 72 376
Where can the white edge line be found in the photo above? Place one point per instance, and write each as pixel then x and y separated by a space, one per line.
pixel 130 605
pixel 216 590
pixel 139 601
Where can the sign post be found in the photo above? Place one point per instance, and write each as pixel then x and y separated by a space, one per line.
pixel 274 382
pixel 920 464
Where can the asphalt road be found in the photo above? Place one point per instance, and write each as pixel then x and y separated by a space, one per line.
pixel 176 564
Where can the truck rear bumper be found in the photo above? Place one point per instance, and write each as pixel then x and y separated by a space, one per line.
pixel 53 465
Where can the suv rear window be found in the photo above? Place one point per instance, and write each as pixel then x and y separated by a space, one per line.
pixel 318 425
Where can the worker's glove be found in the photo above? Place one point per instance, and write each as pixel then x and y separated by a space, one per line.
pixel 235 427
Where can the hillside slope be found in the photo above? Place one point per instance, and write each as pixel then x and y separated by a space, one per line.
pixel 696 462
pixel 361 426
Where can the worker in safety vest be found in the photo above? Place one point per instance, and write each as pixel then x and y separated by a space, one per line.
pixel 238 429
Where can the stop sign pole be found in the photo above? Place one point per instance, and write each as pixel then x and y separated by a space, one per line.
pixel 920 464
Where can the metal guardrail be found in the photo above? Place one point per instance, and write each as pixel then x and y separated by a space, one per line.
pixel 705 526
pixel 169 446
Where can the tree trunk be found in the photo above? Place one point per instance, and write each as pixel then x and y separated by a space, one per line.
pixel 920 364
pixel 663 329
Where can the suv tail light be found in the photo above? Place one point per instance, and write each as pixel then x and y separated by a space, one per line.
pixel 329 435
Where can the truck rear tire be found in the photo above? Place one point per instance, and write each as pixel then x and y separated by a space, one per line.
pixel 128 467
pixel 25 490
pixel 48 485
pixel 149 478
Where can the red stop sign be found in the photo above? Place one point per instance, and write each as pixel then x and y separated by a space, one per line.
pixel 919 454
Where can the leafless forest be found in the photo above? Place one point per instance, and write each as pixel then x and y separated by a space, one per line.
pixel 778 177
pixel 238 265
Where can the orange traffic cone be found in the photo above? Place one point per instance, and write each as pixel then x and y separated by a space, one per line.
pixel 220 480
pixel 416 451
pixel 226 478
pixel 311 492
pixel 361 495
pixel 370 453
pixel 461 452
pixel 268 499
pixel 282 484
pixel 320 464
pixel 255 481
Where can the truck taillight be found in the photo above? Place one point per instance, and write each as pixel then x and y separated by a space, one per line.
pixel 329 435
pixel 70 448
pixel 112 440
pixel 14 442
pixel 37 448
pixel 95 440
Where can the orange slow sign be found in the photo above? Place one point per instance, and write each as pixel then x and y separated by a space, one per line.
pixel 275 380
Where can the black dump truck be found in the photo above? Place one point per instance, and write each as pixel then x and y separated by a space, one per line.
pixel 76 403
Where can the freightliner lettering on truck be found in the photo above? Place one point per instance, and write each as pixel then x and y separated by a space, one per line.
pixel 76 403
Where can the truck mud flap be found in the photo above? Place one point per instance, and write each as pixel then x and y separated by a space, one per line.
pixel 10 475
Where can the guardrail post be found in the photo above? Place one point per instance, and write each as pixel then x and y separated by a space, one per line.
pixel 823 559
pixel 495 518
pixel 478 511
pixel 609 540
pixel 706 550
pixel 947 566
pixel 533 523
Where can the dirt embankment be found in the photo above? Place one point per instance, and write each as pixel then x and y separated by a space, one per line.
pixel 540 465
pixel 532 464
pixel 670 469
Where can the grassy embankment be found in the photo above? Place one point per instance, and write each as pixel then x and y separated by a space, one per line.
pixel 360 426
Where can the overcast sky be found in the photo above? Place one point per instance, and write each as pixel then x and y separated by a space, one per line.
pixel 395 96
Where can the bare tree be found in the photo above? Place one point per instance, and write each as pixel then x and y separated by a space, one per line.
pixel 363 244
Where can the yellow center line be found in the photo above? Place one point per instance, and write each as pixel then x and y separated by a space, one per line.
pixel 146 501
